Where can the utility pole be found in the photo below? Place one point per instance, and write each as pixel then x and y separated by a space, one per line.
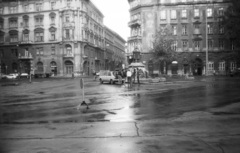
pixel 206 40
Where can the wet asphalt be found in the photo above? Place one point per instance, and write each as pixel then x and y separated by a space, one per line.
pixel 194 116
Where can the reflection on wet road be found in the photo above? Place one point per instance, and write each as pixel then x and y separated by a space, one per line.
pixel 56 101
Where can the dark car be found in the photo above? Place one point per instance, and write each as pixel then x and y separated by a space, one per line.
pixel 235 72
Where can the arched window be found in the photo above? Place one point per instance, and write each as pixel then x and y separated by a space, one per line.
pixel 40 67
pixel 69 49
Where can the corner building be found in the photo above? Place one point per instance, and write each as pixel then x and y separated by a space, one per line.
pixel 58 37
pixel 192 22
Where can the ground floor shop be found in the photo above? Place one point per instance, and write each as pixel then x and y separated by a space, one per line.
pixel 192 64
pixel 55 59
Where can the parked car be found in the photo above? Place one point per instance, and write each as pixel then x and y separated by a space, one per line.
pixel 11 76
pixel 235 72
pixel 24 75
pixel 3 76
pixel 108 76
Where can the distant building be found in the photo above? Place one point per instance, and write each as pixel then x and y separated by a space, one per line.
pixel 58 37
pixel 115 50
pixel 192 22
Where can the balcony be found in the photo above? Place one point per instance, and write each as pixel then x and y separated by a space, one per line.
pixel 69 55
pixel 68 24
pixel 26 42
pixel 29 57
pixel 134 23
pixel 39 25
pixel 134 38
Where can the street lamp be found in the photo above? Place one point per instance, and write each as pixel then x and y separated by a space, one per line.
pixel 136 54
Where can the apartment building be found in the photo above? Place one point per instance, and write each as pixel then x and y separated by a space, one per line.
pixel 196 29
pixel 58 37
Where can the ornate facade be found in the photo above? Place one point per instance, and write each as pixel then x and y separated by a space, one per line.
pixel 59 37
pixel 191 23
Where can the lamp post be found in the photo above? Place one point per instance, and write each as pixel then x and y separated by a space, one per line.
pixel 206 42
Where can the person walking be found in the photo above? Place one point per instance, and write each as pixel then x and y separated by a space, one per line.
pixel 134 75
pixel 138 74
pixel 129 77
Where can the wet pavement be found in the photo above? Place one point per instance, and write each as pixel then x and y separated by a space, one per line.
pixel 200 115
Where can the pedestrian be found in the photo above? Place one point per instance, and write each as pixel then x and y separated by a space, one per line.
pixel 134 75
pixel 120 77
pixel 129 77
pixel 138 74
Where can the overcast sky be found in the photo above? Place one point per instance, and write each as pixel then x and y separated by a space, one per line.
pixel 116 15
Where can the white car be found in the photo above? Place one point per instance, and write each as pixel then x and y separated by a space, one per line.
pixel 108 76
pixel 24 75
pixel 11 76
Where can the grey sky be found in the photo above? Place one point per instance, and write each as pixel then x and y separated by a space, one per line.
pixel 116 15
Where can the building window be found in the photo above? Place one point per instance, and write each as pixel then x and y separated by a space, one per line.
pixel 184 29
pixel 174 45
pixel 1 37
pixel 68 3
pixel 184 13
pixel 39 21
pixel 25 22
pixel 185 44
pixel 209 12
pixel 14 37
pixel 39 36
pixel 196 29
pixel 163 15
pixel 173 14
pixel 221 44
pixel 67 18
pixel 69 49
pixel 221 11
pixel 196 13
pixel 14 52
pixel 174 30
pixel 53 4
pixel 25 37
pixel 53 51
pixel 197 45
pixel 233 66
pixel 210 43
pixel 39 51
pixel 38 7
pixel 67 33
pixel 25 8
pixel 13 23
pixel 1 10
pixel 222 66
pixel 13 9
pixel 53 35
pixel 210 66
pixel 221 29
pixel 1 23
pixel 232 44
pixel 52 20
pixel 1 53
pixel 210 28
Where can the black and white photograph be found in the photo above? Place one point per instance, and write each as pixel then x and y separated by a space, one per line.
pixel 119 76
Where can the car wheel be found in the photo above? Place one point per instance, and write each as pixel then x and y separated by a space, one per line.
pixel 101 81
